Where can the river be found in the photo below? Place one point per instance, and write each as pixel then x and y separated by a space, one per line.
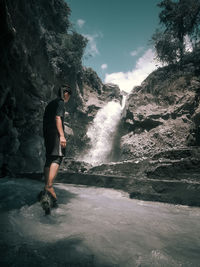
pixel 94 227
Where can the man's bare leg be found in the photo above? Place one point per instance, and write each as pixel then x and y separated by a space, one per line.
pixel 46 174
pixel 50 174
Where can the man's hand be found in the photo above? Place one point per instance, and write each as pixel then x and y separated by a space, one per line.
pixel 59 126
pixel 63 141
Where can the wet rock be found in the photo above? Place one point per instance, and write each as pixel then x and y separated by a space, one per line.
pixel 168 176
pixel 32 151
pixel 74 166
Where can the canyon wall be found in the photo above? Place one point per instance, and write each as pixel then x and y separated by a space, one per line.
pixel 39 51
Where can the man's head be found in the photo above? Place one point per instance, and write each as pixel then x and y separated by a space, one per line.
pixel 65 92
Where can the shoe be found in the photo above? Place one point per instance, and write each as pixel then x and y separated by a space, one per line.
pixel 46 201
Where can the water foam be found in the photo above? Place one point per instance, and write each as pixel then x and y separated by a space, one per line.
pixel 102 132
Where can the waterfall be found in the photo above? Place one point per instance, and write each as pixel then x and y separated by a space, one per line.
pixel 102 132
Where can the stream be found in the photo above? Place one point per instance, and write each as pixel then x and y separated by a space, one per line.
pixel 94 227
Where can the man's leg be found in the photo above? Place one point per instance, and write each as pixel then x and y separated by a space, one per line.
pixel 50 171
pixel 51 174
pixel 46 174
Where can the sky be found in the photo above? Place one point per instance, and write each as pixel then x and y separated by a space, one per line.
pixel 118 34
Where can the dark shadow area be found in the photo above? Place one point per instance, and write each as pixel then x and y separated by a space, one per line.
pixel 70 252
pixel 20 192
pixel 139 126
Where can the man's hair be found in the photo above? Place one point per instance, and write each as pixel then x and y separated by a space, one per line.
pixel 64 88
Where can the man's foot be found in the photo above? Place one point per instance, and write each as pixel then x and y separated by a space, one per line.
pixel 51 191
pixel 46 202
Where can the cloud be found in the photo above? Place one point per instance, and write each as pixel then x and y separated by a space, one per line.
pixel 136 52
pixel 127 80
pixel 80 23
pixel 104 66
pixel 91 49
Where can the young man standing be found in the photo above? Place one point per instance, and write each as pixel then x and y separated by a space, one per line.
pixel 55 142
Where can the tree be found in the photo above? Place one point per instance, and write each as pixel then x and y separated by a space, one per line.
pixel 180 19
pixel 166 46
pixel 72 49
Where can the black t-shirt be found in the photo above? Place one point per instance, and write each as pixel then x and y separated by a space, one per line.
pixel 53 109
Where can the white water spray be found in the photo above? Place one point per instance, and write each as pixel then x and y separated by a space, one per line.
pixel 102 132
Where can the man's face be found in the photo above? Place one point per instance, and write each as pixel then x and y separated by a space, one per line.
pixel 66 96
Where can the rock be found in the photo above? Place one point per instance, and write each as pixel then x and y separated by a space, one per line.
pixel 32 151
pixel 170 176
pixel 161 114
pixel 68 130
pixel 111 91
pixel 74 166
pixel 91 79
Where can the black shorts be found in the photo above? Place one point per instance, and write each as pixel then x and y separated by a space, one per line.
pixel 53 159
pixel 52 144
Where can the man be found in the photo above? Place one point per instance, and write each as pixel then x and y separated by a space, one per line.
pixel 55 142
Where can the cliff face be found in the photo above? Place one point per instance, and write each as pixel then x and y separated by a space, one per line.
pixel 38 53
pixel 163 112
pixel 33 63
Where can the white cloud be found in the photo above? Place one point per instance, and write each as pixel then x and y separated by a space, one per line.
pixel 92 49
pixel 80 23
pixel 104 66
pixel 136 52
pixel 127 80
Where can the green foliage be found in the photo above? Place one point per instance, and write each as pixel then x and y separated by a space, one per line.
pixel 166 46
pixel 180 19
pixel 65 52
pixel 72 46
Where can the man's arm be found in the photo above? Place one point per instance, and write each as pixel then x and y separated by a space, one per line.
pixel 61 131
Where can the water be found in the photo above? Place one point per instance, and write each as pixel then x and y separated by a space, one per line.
pixel 94 227
pixel 102 132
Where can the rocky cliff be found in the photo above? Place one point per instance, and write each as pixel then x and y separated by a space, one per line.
pixel 163 113
pixel 38 53
pixel 34 61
